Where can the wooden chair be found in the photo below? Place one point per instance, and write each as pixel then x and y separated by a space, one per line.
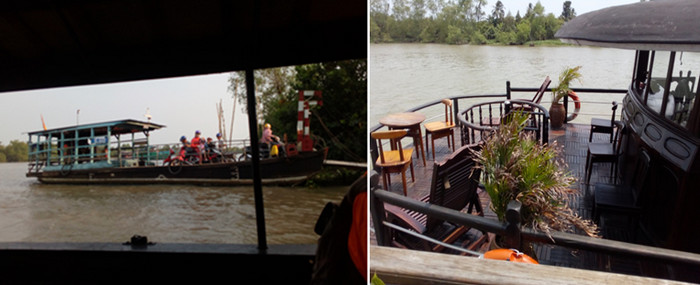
pixel 393 161
pixel 623 199
pixel 492 121
pixel 605 126
pixel 540 92
pixel 605 153
pixel 441 129
pixel 454 185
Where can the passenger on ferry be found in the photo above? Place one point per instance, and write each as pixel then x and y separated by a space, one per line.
pixel 272 140
pixel 209 149
pixel 185 143
pixel 198 145
pixel 220 142
pixel 186 147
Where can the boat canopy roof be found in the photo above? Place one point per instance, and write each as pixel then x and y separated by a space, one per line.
pixel 670 25
pixel 50 44
pixel 102 129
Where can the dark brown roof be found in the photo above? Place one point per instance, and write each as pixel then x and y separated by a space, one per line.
pixel 75 42
pixel 655 25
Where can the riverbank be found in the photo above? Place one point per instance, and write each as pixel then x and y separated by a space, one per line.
pixel 541 43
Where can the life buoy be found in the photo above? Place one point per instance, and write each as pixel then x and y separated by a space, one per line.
pixel 511 255
pixel 577 106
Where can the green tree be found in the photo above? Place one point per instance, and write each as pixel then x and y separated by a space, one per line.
pixel 454 35
pixel 380 21
pixel 522 34
pixel 506 38
pixel 498 13
pixel 551 25
pixel 342 120
pixel 15 151
pixel 509 23
pixel 3 157
pixel 269 85
pixel 340 123
pixel 457 22
pixel 479 9
pixel 567 13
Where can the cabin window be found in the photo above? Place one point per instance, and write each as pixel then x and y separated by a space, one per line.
pixel 641 70
pixel 670 88
pixel 686 67
pixel 656 91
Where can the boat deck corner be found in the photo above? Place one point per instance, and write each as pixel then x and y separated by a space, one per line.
pixel 573 140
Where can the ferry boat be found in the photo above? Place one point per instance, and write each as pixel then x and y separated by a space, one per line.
pixel 120 152
pixel 659 119
pixel 81 43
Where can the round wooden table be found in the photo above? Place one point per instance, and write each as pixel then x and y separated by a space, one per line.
pixel 410 121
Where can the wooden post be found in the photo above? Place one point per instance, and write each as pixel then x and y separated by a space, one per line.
pixel 566 108
pixel 513 219
pixel 507 90
pixel 377 211
pixel 255 151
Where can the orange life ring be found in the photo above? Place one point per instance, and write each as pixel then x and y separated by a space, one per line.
pixel 577 106
pixel 511 255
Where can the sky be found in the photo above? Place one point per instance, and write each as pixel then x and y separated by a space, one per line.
pixel 555 6
pixel 184 104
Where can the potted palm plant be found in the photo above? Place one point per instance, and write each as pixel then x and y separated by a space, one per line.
pixel 557 111
pixel 516 167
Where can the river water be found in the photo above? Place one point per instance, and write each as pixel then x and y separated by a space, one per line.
pixel 408 75
pixel 35 212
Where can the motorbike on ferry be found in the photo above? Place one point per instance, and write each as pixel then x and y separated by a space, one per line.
pixel 185 156
pixel 212 154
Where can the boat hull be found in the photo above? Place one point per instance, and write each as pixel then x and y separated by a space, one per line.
pixel 280 171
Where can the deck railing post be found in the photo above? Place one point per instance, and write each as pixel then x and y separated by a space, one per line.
pixel 545 128
pixel 508 90
pixel 377 211
pixel 513 218
pixel 566 108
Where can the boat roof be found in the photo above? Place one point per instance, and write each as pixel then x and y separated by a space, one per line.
pixel 66 43
pixel 669 25
pixel 100 129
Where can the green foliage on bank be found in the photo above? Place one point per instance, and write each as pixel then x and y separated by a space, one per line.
pixel 333 176
pixel 339 124
pixel 462 22
pixel 14 152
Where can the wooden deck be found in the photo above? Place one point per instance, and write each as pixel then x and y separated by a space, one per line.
pixel 574 141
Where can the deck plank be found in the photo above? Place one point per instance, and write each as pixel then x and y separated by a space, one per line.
pixel 573 139
pixel 400 266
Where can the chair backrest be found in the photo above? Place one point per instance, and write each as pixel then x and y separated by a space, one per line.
pixel 619 135
pixel 540 92
pixel 455 181
pixel 394 135
pixel 448 111
pixel 614 109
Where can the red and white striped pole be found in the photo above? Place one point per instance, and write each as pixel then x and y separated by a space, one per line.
pixel 303 120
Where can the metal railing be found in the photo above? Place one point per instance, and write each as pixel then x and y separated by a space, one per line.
pixel 505 96
pixel 131 153
pixel 511 90
pixel 515 235
pixel 374 148
pixel 484 118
